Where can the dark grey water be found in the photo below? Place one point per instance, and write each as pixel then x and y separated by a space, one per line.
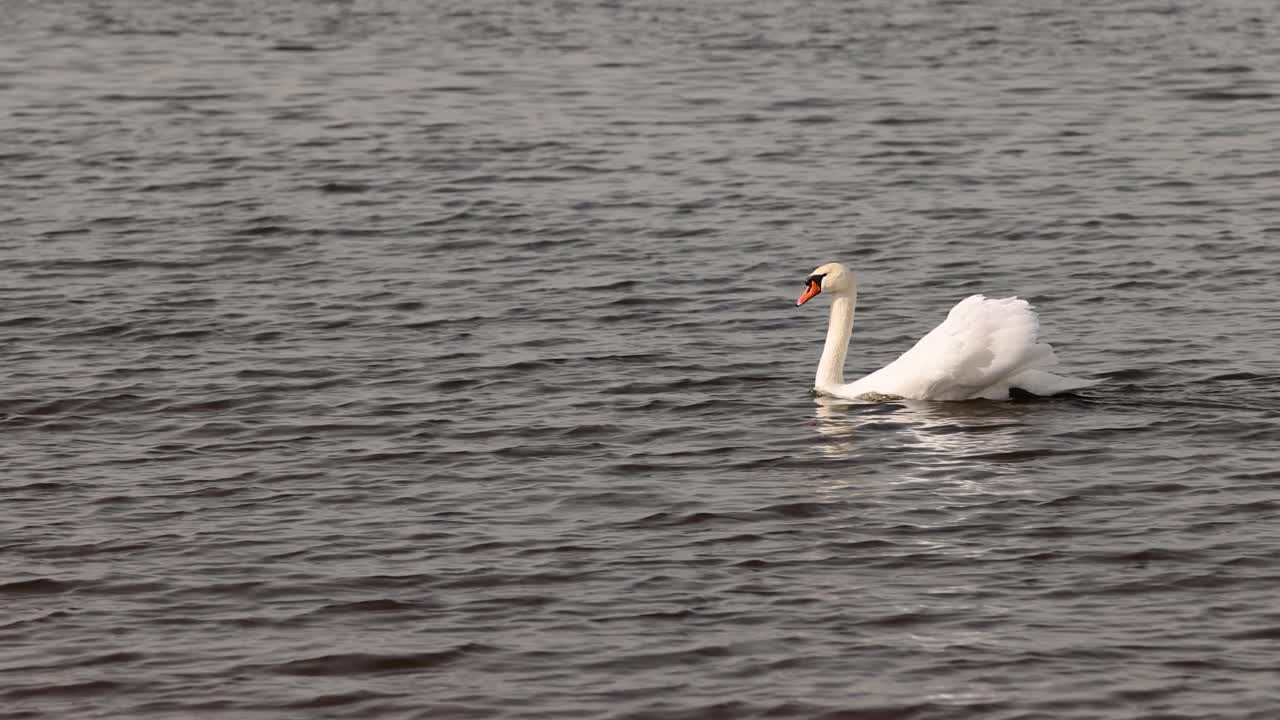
pixel 438 360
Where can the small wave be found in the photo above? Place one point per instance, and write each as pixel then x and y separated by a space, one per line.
pixel 88 688
pixel 340 699
pixel 38 586
pixel 1227 95
pixel 347 664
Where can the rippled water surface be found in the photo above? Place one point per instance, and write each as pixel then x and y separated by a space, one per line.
pixel 440 360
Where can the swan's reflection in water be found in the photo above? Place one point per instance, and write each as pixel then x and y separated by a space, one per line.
pixel 923 473
pixel 925 441
pixel 949 428
pixel 958 451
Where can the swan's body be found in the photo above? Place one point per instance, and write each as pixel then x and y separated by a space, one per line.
pixel 983 348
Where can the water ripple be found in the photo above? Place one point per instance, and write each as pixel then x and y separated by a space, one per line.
pixel 442 360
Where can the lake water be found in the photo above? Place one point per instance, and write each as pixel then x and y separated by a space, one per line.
pixel 440 360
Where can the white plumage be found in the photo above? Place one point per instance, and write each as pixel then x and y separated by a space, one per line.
pixel 983 348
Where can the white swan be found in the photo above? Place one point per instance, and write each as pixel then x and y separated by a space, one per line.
pixel 982 349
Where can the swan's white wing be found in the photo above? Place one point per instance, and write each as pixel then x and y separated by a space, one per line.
pixel 981 346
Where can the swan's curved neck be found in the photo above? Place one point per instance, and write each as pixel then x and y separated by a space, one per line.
pixel 839 329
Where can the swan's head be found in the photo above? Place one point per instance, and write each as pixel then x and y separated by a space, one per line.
pixel 830 278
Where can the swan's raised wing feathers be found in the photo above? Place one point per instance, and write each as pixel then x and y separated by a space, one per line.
pixel 975 352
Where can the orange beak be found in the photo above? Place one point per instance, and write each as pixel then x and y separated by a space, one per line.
pixel 809 291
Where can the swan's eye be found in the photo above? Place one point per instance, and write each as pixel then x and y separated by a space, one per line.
pixel 815 279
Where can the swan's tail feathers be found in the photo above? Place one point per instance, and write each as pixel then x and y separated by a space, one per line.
pixel 1041 382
